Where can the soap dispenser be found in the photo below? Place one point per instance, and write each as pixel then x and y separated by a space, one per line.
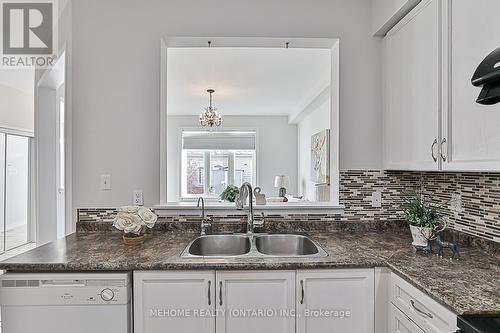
pixel 487 76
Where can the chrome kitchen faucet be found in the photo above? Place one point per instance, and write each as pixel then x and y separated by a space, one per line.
pixel 205 223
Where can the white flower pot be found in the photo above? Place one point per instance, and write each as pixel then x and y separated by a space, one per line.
pixel 420 235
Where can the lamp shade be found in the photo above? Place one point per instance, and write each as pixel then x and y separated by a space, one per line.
pixel 282 181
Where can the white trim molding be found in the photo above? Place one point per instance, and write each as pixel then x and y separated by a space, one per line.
pixel 262 42
pixel 224 209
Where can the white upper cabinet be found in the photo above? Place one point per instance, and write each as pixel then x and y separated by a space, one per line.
pixel 345 296
pixel 161 297
pixel 255 301
pixel 412 96
pixel 431 118
pixel 471 131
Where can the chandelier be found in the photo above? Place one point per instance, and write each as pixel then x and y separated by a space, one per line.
pixel 210 117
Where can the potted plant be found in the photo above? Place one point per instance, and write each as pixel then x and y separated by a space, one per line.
pixel 423 219
pixel 230 193
pixel 133 220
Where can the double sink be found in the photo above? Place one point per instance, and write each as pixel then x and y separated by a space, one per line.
pixel 258 245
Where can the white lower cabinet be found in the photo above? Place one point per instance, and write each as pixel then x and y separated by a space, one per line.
pixel 280 301
pixel 166 301
pixel 335 301
pixel 426 313
pixel 399 323
pixel 255 301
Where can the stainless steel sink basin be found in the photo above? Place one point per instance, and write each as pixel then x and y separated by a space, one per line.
pixel 260 245
pixel 286 245
pixel 219 246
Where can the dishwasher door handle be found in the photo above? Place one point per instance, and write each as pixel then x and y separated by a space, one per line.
pixel 62 283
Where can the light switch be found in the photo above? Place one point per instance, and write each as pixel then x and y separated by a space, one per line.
pixel 138 198
pixel 105 182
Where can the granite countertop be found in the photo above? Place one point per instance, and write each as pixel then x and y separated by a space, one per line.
pixel 466 286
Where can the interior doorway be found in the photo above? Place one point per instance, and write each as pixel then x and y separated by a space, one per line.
pixel 50 125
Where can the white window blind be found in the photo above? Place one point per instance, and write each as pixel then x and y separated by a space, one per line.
pixel 220 140
pixel 17 101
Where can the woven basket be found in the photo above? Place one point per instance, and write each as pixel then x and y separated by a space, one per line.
pixel 133 240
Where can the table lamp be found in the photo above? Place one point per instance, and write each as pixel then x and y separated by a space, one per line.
pixel 282 182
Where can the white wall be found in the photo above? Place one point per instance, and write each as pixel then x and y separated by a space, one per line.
pixel 47 165
pixel 116 80
pixel 277 149
pixel 316 121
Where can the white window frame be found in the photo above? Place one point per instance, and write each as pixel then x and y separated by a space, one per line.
pixel 206 185
pixel 255 173
pixel 332 44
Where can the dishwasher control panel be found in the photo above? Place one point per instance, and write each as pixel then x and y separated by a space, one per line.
pixel 65 288
pixel 94 295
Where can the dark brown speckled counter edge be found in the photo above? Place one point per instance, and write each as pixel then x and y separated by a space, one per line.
pixel 365 248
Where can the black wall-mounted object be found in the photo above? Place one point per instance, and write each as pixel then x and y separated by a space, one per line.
pixel 487 75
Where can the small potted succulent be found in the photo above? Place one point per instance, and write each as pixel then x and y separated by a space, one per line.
pixel 230 193
pixel 133 220
pixel 423 219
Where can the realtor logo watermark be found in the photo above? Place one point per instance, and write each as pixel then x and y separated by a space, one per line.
pixel 28 33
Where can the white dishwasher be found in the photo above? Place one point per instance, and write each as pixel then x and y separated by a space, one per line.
pixel 65 302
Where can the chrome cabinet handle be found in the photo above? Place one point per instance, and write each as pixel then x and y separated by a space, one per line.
pixel 434 143
pixel 420 311
pixel 302 292
pixel 443 156
pixel 209 295
pixel 220 293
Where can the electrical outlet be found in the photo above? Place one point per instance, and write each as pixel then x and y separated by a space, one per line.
pixel 138 198
pixel 377 199
pixel 456 202
pixel 105 183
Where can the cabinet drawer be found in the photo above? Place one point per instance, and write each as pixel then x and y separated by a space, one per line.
pixel 399 323
pixel 420 308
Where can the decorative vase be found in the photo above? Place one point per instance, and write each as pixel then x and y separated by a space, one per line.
pixel 420 235
pixel 260 198
pixel 137 240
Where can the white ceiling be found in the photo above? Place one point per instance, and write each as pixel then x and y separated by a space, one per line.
pixel 247 81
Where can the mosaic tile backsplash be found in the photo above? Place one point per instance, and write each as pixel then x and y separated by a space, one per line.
pixel 480 200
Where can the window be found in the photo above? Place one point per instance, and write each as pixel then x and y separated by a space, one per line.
pixel 194 168
pixel 244 166
pixel 213 160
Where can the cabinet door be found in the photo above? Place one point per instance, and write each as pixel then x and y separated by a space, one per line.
pixel 412 90
pixel 255 301
pixel 335 301
pixel 175 302
pixel 399 323
pixel 471 130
